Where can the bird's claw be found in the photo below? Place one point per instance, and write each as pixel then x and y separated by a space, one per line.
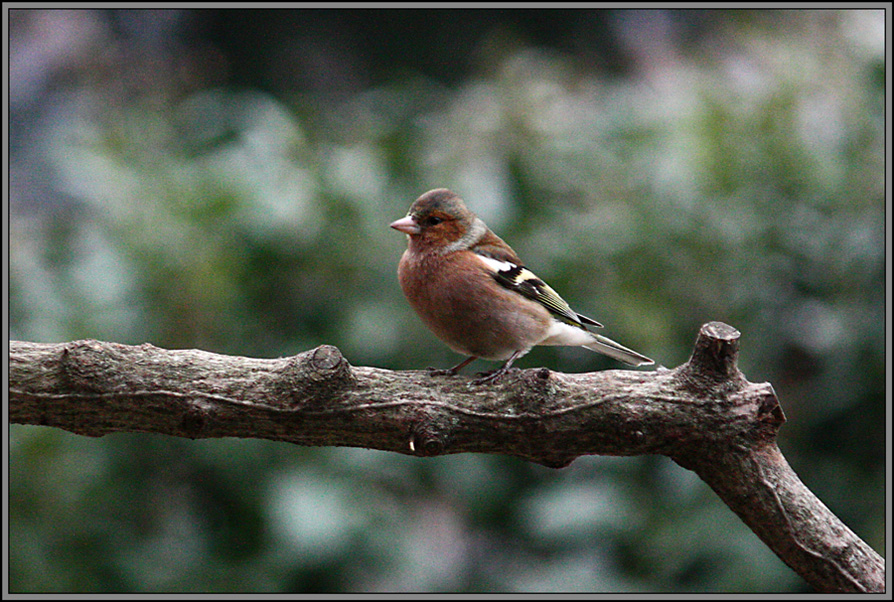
pixel 440 371
pixel 492 375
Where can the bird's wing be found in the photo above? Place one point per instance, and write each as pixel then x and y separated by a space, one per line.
pixel 523 281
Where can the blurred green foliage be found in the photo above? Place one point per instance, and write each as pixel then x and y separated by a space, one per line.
pixel 224 180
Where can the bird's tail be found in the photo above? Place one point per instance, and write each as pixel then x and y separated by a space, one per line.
pixel 606 346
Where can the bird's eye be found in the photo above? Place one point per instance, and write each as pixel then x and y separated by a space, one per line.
pixel 434 220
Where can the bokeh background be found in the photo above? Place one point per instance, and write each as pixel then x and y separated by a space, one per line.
pixel 224 180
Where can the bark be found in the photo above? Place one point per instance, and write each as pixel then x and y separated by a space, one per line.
pixel 704 415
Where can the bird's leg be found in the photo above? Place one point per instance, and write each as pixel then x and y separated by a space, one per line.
pixel 451 371
pixel 486 377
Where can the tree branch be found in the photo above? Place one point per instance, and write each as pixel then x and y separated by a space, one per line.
pixel 704 415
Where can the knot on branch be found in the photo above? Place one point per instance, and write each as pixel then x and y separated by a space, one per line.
pixel 313 377
pixel 425 442
pixel 430 431
pixel 328 362
pixel 199 417
pixel 769 410
pixel 528 393
pixel 88 365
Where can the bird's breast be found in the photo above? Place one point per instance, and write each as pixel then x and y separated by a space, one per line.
pixel 460 301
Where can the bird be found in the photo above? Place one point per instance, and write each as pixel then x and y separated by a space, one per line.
pixel 474 293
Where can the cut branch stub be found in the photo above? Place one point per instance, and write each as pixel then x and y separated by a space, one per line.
pixel 746 413
pixel 311 378
pixel 714 358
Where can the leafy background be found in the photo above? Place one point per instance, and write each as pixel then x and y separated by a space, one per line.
pixel 223 179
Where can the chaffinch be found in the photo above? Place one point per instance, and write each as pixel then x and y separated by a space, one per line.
pixel 471 289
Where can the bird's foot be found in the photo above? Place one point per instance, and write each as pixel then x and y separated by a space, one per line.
pixel 492 375
pixel 450 371
pixel 440 371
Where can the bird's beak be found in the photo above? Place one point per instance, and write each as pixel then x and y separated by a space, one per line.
pixel 406 225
